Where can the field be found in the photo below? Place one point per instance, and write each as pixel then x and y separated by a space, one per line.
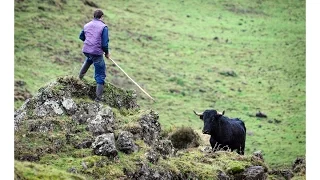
pixel 240 56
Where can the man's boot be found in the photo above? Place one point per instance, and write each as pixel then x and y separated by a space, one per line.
pixel 99 92
pixel 84 69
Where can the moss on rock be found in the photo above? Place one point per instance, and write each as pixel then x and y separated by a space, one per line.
pixel 236 167
pixel 113 96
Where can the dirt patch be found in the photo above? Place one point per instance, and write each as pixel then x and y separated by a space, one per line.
pixel 90 3
pixel 20 91
pixel 238 10
pixel 139 36
pixel 60 61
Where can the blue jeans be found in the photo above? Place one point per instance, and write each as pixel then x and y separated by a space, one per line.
pixel 99 67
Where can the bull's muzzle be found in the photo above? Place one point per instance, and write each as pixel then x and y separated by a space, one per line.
pixel 205 132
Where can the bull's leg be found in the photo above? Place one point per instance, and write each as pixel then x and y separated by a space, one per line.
pixel 226 148
pixel 241 149
pixel 214 144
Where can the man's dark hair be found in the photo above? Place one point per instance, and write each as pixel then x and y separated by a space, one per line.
pixel 97 14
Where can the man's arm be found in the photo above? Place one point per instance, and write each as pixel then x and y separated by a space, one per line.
pixel 82 36
pixel 105 41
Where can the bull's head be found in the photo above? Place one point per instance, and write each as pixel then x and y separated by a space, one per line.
pixel 208 117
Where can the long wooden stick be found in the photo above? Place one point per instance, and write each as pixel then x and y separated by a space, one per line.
pixel 131 79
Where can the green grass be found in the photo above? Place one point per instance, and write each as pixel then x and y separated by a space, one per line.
pixel 176 50
pixel 28 170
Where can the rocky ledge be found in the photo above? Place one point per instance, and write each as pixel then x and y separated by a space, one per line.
pixel 61 133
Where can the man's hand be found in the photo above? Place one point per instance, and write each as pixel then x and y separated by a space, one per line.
pixel 107 55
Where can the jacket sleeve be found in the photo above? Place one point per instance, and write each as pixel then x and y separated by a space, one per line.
pixel 82 36
pixel 105 40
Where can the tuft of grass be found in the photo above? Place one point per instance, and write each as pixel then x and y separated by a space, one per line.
pixel 184 137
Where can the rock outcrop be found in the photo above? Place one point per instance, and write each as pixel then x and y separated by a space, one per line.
pixel 116 139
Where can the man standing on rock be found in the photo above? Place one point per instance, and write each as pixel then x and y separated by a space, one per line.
pixel 95 42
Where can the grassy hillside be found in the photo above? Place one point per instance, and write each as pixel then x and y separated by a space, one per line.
pixel 240 56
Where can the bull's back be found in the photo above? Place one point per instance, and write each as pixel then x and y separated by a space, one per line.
pixel 232 131
pixel 239 123
pixel 238 128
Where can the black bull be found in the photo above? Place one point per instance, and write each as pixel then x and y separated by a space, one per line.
pixel 225 132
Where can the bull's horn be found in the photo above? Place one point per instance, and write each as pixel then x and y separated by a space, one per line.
pixel 220 113
pixel 198 114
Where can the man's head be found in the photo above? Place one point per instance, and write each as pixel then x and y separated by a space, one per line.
pixel 98 14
